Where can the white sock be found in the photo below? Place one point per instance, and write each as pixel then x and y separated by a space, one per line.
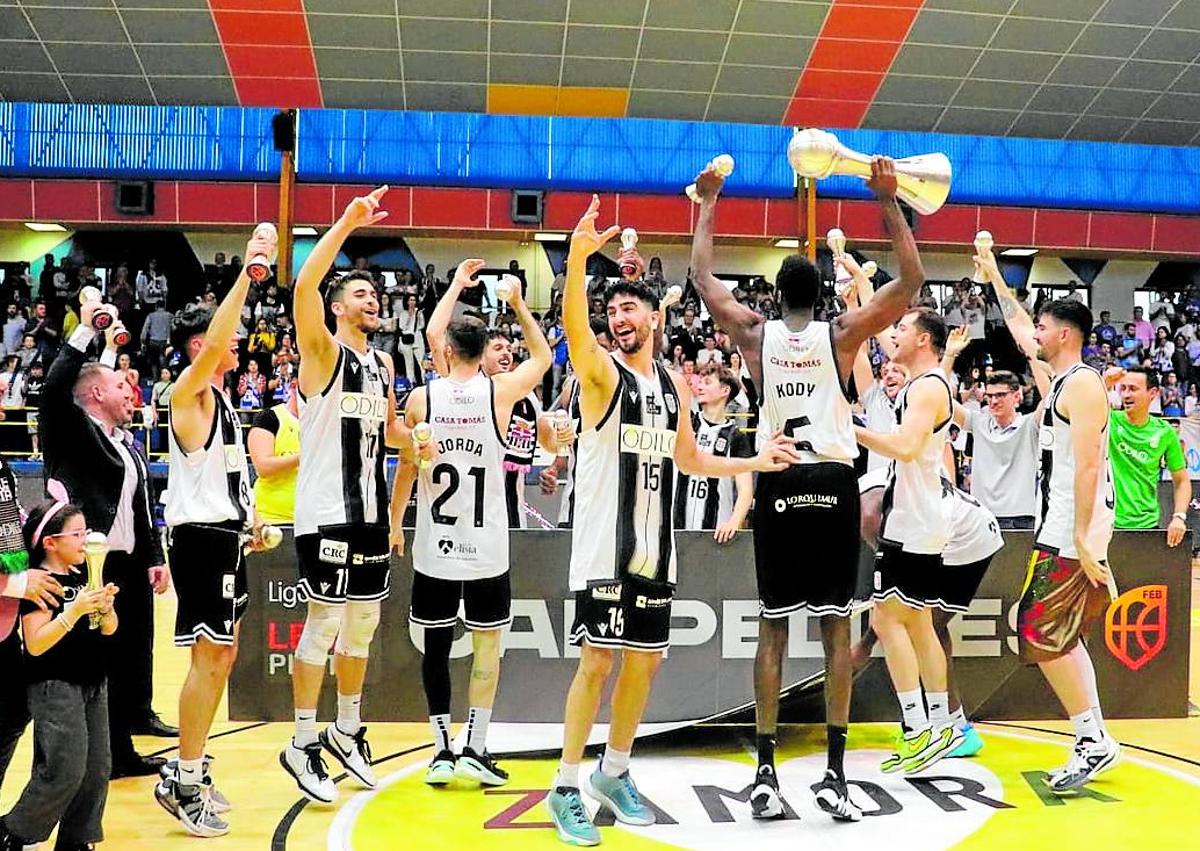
pixel 348 720
pixel 440 724
pixel 939 709
pixel 1086 726
pixel 477 727
pixel 615 762
pixel 191 772
pixel 959 718
pixel 568 775
pixel 912 707
pixel 306 728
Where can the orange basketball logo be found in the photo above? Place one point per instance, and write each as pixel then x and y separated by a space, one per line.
pixel 1135 628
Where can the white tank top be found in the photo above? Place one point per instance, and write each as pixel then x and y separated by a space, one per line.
pixel 881 417
pixel 624 484
pixel 342 431
pixel 566 506
pixel 803 393
pixel 703 502
pixel 916 505
pixel 462 517
pixel 974 532
pixel 1056 527
pixel 210 484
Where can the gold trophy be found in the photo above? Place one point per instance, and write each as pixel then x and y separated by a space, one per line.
pixel 723 164
pixel 924 181
pixel 422 434
pixel 258 267
pixel 983 245
pixel 95 551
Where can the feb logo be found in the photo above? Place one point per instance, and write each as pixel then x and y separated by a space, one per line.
pixel 1135 627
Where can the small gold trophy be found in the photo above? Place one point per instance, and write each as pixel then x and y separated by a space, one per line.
pixel 95 551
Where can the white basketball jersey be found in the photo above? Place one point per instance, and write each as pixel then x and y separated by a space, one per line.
pixel 1056 526
pixel 803 393
pixel 624 484
pixel 916 506
pixel 210 484
pixel 706 502
pixel 342 431
pixel 566 506
pixel 462 518
pixel 974 532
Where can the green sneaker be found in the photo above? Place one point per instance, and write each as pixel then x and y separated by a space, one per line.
pixel 621 796
pixel 908 745
pixel 941 744
pixel 441 770
pixel 570 818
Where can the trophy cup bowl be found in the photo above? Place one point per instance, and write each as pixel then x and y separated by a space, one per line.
pixel 258 267
pixel 562 426
pixel 422 434
pixel 722 164
pixel 983 242
pixel 923 182
pixel 836 240
pixel 95 551
pixel 870 268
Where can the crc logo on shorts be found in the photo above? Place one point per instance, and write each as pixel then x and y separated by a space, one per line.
pixel 363 406
pixel 445 545
pixel 334 552
pixel 1135 626
pixel 227 586
pixel 648 441
pixel 607 592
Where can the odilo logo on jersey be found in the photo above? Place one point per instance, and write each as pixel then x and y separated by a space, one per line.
pixel 363 406
pixel 648 441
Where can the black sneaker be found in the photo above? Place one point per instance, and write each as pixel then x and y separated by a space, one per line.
pixel 481 768
pixel 833 798
pixel 765 802
pixel 441 770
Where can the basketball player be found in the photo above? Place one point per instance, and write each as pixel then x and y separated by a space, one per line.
pixel 524 430
pixel 708 503
pixel 1069 581
pixel 341 503
pixel 801 367
pixel 208 509
pixel 634 431
pixel 460 554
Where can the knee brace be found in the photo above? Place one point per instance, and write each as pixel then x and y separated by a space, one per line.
pixel 359 621
pixel 320 630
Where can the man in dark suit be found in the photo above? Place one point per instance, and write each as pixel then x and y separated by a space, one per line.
pixel 85 409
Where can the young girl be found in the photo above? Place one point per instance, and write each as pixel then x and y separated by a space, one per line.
pixel 68 699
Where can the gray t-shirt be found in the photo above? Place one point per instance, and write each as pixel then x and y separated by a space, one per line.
pixel 1004 464
pixel 881 417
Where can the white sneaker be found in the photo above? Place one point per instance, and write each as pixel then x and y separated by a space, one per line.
pixel 765 802
pixel 352 752
pixel 308 770
pixel 1089 759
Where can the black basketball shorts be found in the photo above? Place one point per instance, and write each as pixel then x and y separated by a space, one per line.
pixel 487 603
pixel 807 540
pixel 209 573
pixel 345 562
pixel 629 613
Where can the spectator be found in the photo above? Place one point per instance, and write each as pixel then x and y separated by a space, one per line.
pixel 1105 331
pixel 1172 396
pixel 1129 348
pixel 410 346
pixel 156 335
pixel 70 320
pixel 67 691
pixel 710 354
pixel 1072 293
pixel 1139 447
pixel 1162 313
pixel 34 382
pixel 46 287
pixel 1162 352
pixel 285 353
pixel 274 446
pixel 1091 351
pixel 742 402
pixel 151 286
pixel 1191 402
pixel 85 410
pixel 557 339
pixel 1181 363
pixel 251 387
pixel 14 329
pixel 121 293
pixel 45 334
pixel 261 346
pixel 385 335
pixel 12 379
pixel 15 288
pixel 160 393
pixel 270 306
pixel 1142 329
pixel 135 389
pixel 28 352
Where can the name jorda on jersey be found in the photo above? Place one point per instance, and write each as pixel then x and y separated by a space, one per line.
pixel 643 440
pixel 465 445
pixel 363 406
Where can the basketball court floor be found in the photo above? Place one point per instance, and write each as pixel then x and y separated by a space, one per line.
pixel 694 778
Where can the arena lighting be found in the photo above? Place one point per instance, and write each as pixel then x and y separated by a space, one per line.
pixel 304 230
pixel 45 227
pixel 1018 252
pixel 787 243
pixel 549 237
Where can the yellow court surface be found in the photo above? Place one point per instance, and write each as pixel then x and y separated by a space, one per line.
pixel 697 781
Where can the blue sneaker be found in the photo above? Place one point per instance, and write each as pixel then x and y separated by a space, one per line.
pixel 570 818
pixel 972 742
pixel 621 796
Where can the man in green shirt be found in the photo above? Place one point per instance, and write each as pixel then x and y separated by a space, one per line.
pixel 1138 446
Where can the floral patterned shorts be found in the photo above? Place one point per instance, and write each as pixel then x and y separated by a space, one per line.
pixel 1058 605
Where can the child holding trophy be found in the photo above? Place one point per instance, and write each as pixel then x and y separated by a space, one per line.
pixel 64 649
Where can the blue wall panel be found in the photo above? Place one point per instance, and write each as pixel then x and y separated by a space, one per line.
pixel 604 154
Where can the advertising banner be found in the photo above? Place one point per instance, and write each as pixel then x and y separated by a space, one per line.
pixel 1140 649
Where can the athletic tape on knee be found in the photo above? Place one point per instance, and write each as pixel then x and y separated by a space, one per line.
pixel 358 628
pixel 320 631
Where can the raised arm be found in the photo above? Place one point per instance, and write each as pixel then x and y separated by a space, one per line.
pixel 593 367
pixel 528 375
pixel 1019 323
pixel 892 299
pixel 743 325
pixel 439 320
pixel 956 341
pixel 318 350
